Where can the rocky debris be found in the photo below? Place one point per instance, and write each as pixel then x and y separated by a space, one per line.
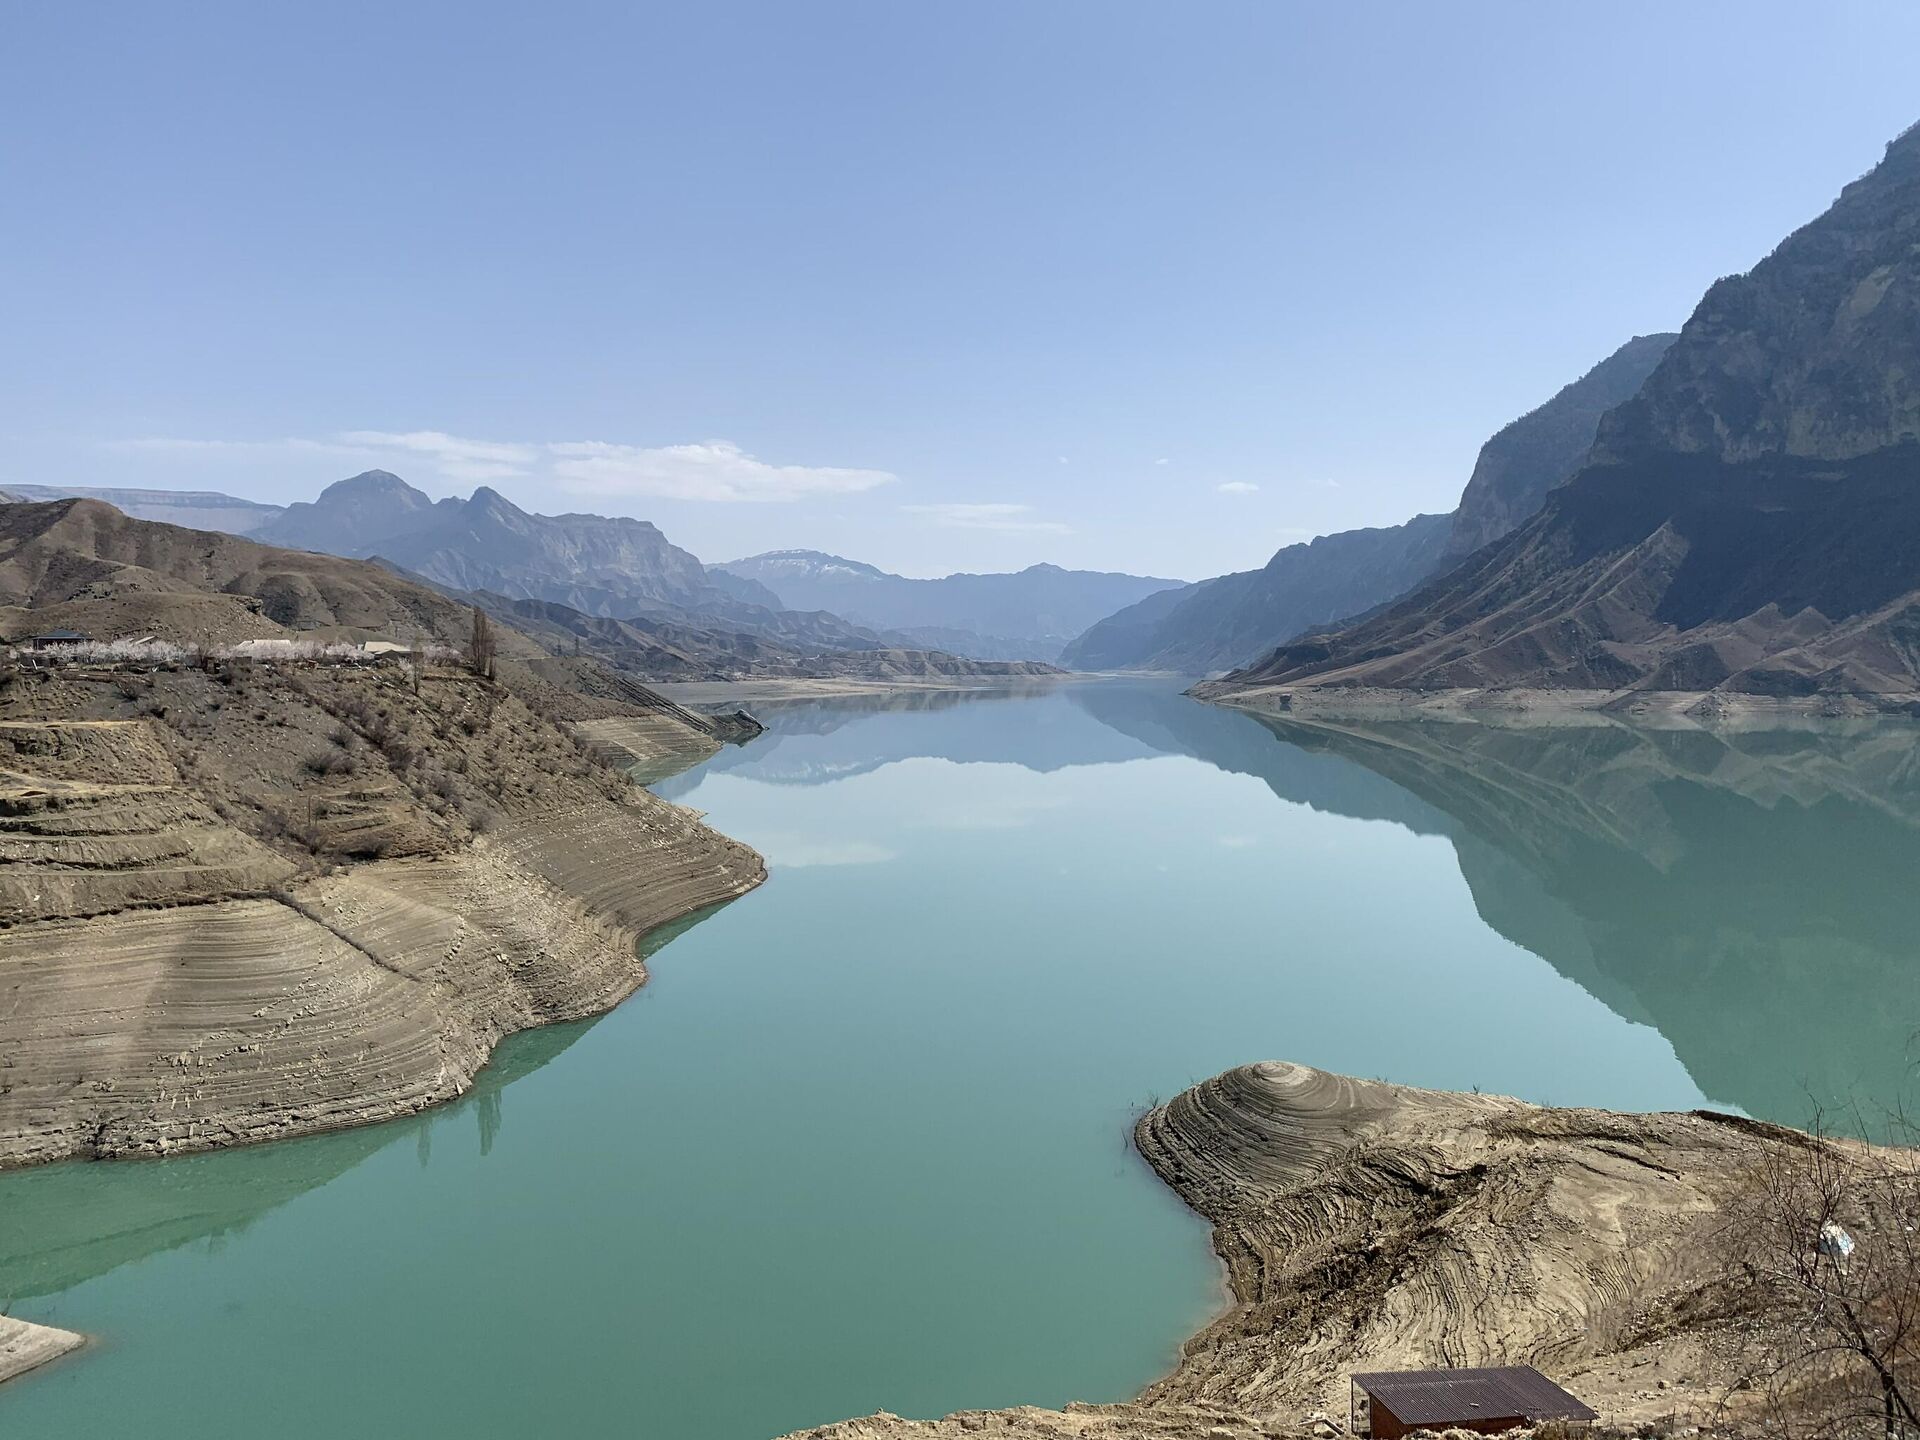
pixel 1075 1422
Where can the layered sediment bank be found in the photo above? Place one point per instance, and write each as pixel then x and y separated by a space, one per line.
pixel 175 977
pixel 1369 1226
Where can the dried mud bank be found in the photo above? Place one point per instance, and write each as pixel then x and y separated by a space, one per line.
pixel 171 980
pixel 1717 708
pixel 1368 1226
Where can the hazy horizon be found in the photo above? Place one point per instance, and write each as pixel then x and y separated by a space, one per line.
pixel 937 291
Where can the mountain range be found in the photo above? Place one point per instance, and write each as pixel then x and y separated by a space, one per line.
pixel 690 618
pixel 1235 618
pixel 597 564
pixel 1028 615
pixel 1748 521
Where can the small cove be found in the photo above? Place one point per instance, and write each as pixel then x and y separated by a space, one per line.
pixel 861 1142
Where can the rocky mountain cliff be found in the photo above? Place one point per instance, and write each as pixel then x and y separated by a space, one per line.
pixel 1544 447
pixel 596 563
pixel 599 564
pixel 1027 615
pixel 1227 621
pixel 1750 521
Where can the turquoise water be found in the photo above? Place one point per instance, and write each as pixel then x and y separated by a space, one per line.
pixel 862 1141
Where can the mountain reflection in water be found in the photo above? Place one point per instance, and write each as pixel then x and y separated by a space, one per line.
pixel 1750 894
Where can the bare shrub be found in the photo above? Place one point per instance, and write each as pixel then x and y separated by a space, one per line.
pixel 1822 1267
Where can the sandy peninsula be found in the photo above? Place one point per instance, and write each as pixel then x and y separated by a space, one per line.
pixel 1370 1226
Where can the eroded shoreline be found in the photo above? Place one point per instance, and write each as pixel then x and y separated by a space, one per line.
pixel 168 983
pixel 1366 1225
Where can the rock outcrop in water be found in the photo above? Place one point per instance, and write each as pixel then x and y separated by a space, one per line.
pixel 1371 1226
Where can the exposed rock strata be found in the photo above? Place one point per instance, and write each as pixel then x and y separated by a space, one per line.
pixel 182 972
pixel 1372 1226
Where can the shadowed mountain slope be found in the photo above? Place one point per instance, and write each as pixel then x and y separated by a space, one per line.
pixel 1235 618
pixel 1750 521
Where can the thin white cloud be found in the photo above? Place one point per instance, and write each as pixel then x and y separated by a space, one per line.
pixel 714 470
pixel 1237 487
pixel 1161 461
pixel 455 457
pixel 1010 518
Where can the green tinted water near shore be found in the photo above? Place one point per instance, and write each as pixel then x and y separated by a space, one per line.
pixel 862 1141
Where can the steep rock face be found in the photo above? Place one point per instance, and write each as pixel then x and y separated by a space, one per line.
pixel 1748 522
pixel 1223 621
pixel 1543 448
pixel 1235 619
pixel 1026 615
pixel 365 510
pixel 1815 352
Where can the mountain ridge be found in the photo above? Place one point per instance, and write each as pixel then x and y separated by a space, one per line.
pixel 1025 614
pixel 1233 619
pixel 1748 522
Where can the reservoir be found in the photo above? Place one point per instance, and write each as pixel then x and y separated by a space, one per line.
pixel 862 1142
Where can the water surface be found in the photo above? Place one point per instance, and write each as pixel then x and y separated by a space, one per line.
pixel 862 1141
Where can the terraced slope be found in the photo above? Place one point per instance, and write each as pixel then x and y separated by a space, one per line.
pixel 1368 1226
pixel 257 903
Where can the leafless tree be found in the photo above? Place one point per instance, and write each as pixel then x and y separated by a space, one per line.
pixel 1822 1268
pixel 480 646
pixel 417 658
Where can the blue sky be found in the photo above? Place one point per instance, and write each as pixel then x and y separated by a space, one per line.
pixel 936 285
